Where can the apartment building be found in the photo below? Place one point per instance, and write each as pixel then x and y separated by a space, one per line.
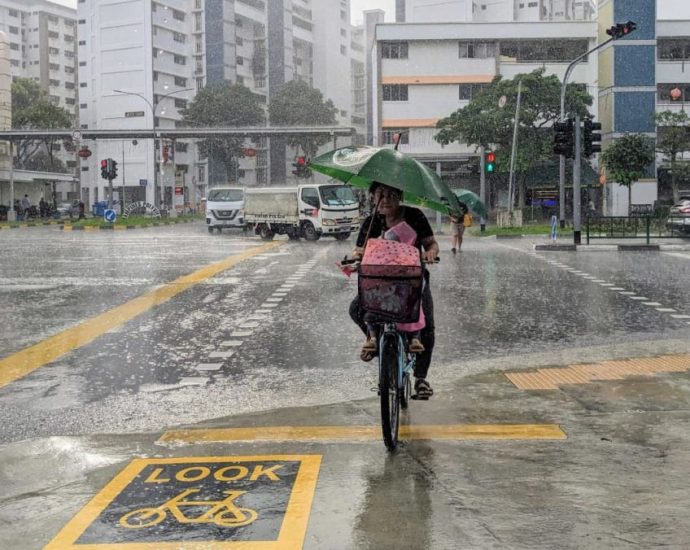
pixel 493 11
pixel 163 51
pixel 427 71
pixel 42 39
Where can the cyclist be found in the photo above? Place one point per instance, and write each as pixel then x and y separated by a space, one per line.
pixel 389 213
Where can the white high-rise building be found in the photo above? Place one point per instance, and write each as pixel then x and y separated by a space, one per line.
pixel 494 11
pixel 42 40
pixel 162 52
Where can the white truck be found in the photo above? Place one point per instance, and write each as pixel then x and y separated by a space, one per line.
pixel 309 211
pixel 224 208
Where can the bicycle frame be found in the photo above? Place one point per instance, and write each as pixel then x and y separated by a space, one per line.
pixel 406 361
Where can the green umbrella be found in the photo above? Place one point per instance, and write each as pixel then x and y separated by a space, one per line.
pixel 360 166
pixel 472 201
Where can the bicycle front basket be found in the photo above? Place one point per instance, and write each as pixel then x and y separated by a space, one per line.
pixel 390 281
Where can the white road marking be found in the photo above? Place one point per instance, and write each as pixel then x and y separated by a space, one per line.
pixel 231 343
pixel 264 311
pixel 616 288
pixel 654 304
pixel 204 367
pixel 241 333
pixel 261 271
pixel 681 316
pixel 274 299
pixel 665 310
pixel 627 293
pixel 252 324
pixel 269 305
pixel 607 284
pixel 221 354
pixel 640 298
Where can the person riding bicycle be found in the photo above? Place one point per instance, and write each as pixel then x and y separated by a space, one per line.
pixel 389 213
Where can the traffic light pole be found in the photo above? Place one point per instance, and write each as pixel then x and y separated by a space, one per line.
pixel 568 72
pixel 482 184
pixel 577 202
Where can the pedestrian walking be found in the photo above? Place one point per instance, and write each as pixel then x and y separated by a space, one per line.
pixel 81 210
pixel 457 230
pixel 26 202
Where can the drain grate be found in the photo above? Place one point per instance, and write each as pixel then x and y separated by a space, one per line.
pixel 552 378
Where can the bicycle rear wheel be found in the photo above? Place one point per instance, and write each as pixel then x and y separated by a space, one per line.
pixel 389 391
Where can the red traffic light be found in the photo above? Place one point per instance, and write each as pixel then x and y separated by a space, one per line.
pixel 104 163
pixel 491 156
pixel 301 161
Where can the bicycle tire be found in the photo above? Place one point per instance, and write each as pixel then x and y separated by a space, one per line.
pixel 406 392
pixel 389 392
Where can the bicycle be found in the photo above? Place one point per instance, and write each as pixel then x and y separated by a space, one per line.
pixel 396 367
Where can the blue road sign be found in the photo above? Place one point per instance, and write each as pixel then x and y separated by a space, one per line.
pixel 110 216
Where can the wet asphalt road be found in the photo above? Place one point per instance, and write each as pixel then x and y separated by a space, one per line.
pixel 493 301
pixel 69 428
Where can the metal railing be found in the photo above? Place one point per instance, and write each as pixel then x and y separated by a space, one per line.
pixel 629 227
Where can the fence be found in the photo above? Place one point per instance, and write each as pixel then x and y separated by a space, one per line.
pixel 629 227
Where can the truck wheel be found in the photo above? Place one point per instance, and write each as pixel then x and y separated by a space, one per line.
pixel 293 235
pixel 265 233
pixel 310 232
pixel 342 236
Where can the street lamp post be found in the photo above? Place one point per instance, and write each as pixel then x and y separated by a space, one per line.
pixel 153 107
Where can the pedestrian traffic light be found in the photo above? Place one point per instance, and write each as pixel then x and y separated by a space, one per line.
pixel 104 169
pixel 592 138
pixel 563 142
pixel 489 162
pixel 301 168
pixel 113 169
pixel 621 29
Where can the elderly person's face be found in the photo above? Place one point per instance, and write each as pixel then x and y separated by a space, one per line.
pixel 388 199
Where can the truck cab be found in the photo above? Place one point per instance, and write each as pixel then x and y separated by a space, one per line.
pixel 328 210
pixel 225 208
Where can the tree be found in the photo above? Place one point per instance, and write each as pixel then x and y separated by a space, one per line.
pixel 229 105
pixel 483 123
pixel 673 139
pixel 627 159
pixel 32 109
pixel 298 104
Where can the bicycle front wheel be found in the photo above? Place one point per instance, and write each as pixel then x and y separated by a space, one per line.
pixel 389 391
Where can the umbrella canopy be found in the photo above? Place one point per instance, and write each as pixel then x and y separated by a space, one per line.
pixel 472 201
pixel 361 166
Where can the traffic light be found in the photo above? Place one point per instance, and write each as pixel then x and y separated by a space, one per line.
pixel 592 140
pixel 301 168
pixel 113 169
pixel 621 29
pixel 104 169
pixel 563 139
pixel 489 162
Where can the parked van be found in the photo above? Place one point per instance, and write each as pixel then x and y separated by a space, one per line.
pixel 225 208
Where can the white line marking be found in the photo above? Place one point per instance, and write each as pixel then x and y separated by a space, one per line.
pixel 654 304
pixel 209 366
pixel 269 305
pixel 598 281
pixel 627 293
pixel 193 381
pixel 681 316
pixel 263 311
pixel 279 294
pixel 241 333
pixel 665 310
pixel 616 288
pixel 222 354
pixel 231 343
pixel 274 299
pixel 252 324
pixel 640 298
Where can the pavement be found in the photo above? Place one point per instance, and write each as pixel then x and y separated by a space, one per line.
pixel 559 420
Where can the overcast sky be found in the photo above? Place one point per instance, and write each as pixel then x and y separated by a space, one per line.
pixel 357 7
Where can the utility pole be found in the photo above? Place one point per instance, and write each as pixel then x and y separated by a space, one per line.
pixel 482 184
pixel 577 203
pixel 511 184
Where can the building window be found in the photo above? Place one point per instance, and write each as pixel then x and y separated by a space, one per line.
pixel 14 46
pixel 82 21
pixel 343 32
pixel 469 49
pixel 468 91
pixel 240 41
pixel 180 60
pixel 343 50
pixel 82 84
pixel 53 66
pixel 53 19
pixel 531 51
pixel 180 103
pixel 69 54
pixel 53 34
pixel 179 37
pixel 68 38
pixel 69 100
pixel 664 93
pixel 82 63
pixel 83 106
pixel 69 85
pixel 14 63
pixel 199 84
pixel 179 15
pixel 673 49
pixel 13 13
pixel 239 60
pixel 179 81
pixel 389 136
pixel 82 42
pixel 343 15
pixel 14 30
pixel 394 50
pixel 395 92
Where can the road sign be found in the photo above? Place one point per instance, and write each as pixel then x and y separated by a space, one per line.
pixel 76 135
pixel 84 152
pixel 143 183
pixel 110 216
pixel 502 101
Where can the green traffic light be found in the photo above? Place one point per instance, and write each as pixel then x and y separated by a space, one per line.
pixel 490 168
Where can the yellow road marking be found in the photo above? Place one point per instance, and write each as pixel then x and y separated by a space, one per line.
pixel 553 378
pixel 291 535
pixel 29 359
pixel 366 433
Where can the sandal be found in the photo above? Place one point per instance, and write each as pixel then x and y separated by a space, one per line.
pixel 422 390
pixel 416 346
pixel 370 344
pixel 367 355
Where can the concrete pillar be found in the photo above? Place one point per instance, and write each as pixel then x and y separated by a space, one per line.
pixel 6 121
